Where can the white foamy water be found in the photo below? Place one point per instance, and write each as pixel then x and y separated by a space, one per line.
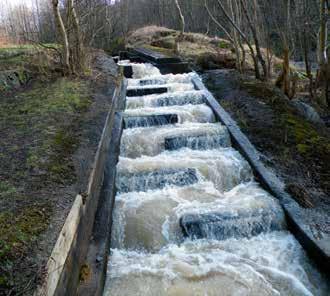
pixel 171 87
pixel 162 79
pixel 175 98
pixel 151 140
pixel 189 219
pixel 141 70
pixel 268 264
pixel 225 167
pixel 186 113
pixel 150 220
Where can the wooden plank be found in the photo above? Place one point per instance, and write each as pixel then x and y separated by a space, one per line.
pixel 55 264
pixel 99 247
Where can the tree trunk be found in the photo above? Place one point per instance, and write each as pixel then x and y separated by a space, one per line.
pixel 256 40
pixel 240 32
pixel 307 64
pixel 182 25
pixel 64 37
pixel 323 72
pixel 77 50
pixel 287 81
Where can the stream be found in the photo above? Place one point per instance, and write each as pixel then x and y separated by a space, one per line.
pixel 189 217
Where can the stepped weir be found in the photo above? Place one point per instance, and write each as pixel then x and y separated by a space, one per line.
pixel 190 217
pixel 178 203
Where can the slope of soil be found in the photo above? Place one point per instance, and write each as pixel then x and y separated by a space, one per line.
pixel 297 150
pixel 48 138
pixel 200 50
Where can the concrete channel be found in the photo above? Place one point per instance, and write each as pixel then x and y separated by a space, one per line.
pixel 79 262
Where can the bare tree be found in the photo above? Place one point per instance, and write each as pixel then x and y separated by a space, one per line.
pixel 322 56
pixel 77 54
pixel 253 27
pixel 182 26
pixel 63 35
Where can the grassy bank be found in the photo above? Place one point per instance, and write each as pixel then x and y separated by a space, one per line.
pixel 50 128
pixel 39 133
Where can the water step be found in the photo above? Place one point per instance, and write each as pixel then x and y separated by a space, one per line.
pixel 144 82
pixel 150 120
pixel 187 113
pixel 162 79
pixel 224 225
pixel 167 99
pixel 179 100
pixel 144 91
pixel 152 219
pixel 151 140
pixel 225 167
pixel 144 181
pixel 202 142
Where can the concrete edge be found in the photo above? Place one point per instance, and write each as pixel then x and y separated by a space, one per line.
pixel 63 267
pixel 317 249
pixel 166 66
pixel 154 56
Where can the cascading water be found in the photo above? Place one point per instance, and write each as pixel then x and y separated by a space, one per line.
pixel 189 219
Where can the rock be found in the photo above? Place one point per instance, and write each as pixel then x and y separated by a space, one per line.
pixel 307 111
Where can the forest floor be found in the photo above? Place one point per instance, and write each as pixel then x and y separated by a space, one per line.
pixel 297 150
pixel 50 129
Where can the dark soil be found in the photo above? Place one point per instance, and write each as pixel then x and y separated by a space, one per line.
pixel 297 150
pixel 49 133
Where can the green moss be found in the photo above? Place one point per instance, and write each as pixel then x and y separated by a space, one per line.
pixel 7 190
pixel 49 116
pixel 306 138
pixel 17 231
pixel 302 148
pixel 118 44
pixel 223 44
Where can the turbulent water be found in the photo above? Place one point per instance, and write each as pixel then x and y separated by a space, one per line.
pixel 189 218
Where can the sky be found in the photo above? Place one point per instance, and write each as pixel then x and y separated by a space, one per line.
pixel 15 2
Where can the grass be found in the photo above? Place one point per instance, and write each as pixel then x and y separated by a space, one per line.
pixel 39 134
pixel 17 232
pixel 51 112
